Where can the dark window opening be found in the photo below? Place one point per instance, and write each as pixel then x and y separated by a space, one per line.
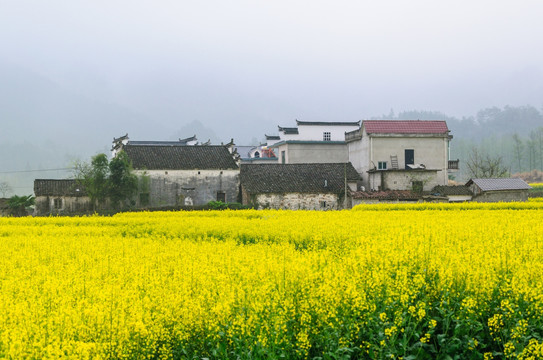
pixel 326 136
pixel 257 154
pixel 57 203
pixel 382 165
pixel 409 158
pixel 221 196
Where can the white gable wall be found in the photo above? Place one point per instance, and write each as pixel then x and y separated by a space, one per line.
pixel 315 132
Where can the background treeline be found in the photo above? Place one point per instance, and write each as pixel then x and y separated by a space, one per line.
pixel 512 134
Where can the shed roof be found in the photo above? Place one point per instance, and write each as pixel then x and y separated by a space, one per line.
pixel 171 157
pixel 405 127
pixel 58 187
pixel 499 184
pixel 296 178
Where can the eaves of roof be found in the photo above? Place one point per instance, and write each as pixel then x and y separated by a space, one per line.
pixel 306 142
pixel 328 123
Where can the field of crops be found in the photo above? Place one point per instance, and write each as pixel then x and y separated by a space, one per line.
pixel 393 281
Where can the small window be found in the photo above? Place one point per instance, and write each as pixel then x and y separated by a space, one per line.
pixel 283 157
pixel 257 154
pixel 323 204
pixel 221 196
pixel 382 165
pixel 57 203
pixel 326 136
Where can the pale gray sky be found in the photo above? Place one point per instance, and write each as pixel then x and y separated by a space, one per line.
pixel 243 67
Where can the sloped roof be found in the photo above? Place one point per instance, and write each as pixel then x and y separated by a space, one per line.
pixel 272 137
pixel 451 190
pixel 387 195
pixel 405 127
pixel 296 178
pixel 58 187
pixel 163 157
pixel 500 184
pixel 288 130
pixel 329 123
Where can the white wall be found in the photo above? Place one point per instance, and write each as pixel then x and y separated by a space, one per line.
pixel 315 132
pixel 432 151
pixel 313 153
pixel 190 187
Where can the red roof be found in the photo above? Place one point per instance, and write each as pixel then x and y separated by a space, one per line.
pixel 405 127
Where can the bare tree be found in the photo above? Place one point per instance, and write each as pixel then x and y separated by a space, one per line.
pixel 483 165
pixel 518 147
pixel 4 188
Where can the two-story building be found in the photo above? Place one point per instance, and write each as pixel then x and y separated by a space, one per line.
pixel 313 142
pixel 401 154
pixel 173 174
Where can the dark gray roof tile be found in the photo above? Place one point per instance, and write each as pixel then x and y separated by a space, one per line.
pixel 500 184
pixel 164 157
pixel 58 187
pixel 299 178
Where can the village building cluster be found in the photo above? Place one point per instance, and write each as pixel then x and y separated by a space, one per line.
pixel 313 165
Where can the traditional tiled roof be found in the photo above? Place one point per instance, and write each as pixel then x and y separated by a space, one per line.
pixel 161 157
pixel 405 127
pixel 189 139
pixel 329 123
pixel 387 195
pixel 157 143
pixel 54 187
pixel 272 137
pixel 500 184
pixel 296 178
pixel 451 190
pixel 288 130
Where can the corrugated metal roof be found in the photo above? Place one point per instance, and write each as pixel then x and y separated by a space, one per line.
pixel 500 184
pixel 296 178
pixel 154 157
pixel 405 127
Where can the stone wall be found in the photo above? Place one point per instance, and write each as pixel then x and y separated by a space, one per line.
pixel 62 205
pixel 502 196
pixel 403 179
pixel 298 201
pixel 159 188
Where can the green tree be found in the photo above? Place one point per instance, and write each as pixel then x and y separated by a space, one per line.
pixel 94 178
pixel 103 179
pixel 19 204
pixel 123 184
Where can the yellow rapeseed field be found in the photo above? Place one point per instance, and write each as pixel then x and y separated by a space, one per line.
pixel 391 281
